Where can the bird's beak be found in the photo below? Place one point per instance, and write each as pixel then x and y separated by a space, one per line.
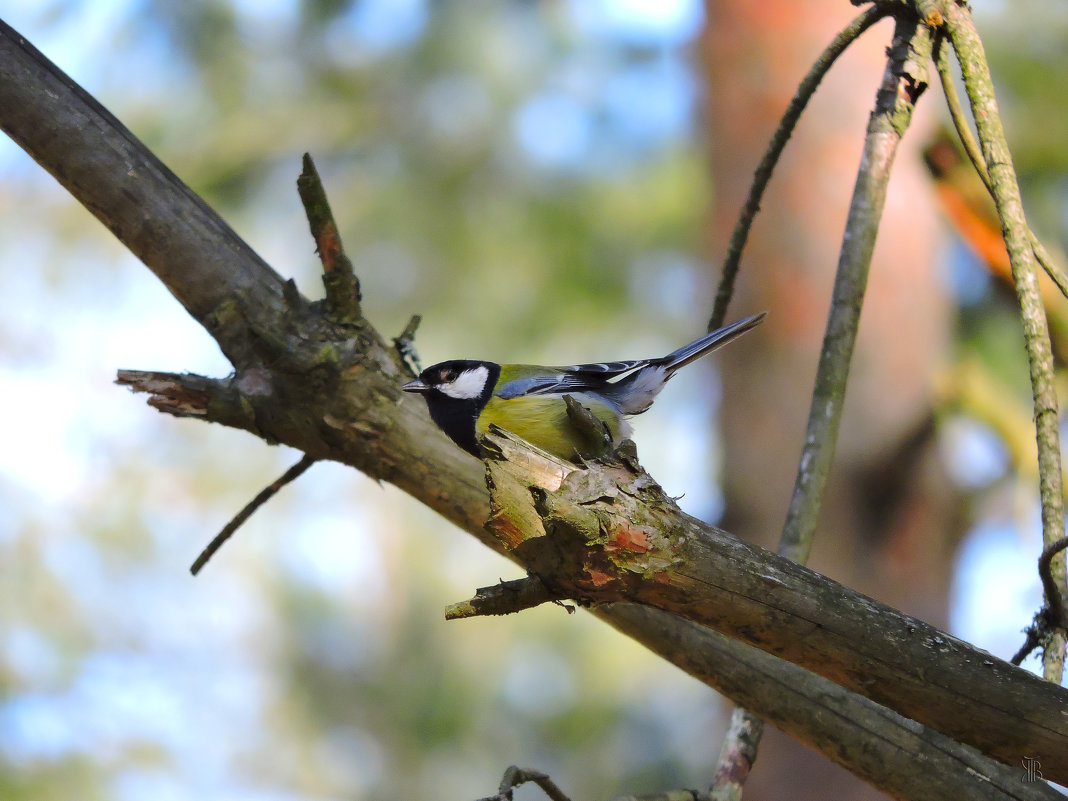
pixel 415 386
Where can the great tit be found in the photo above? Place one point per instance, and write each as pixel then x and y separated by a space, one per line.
pixel 465 397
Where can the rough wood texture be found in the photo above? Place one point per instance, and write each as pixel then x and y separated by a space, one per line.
pixel 331 390
pixel 613 535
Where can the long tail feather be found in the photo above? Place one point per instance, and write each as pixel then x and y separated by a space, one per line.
pixel 634 393
pixel 710 342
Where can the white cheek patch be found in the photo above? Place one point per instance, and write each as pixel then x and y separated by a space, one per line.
pixel 468 385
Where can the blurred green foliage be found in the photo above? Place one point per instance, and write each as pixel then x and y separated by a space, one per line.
pixel 525 176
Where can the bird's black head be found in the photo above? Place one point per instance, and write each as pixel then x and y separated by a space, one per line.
pixel 456 392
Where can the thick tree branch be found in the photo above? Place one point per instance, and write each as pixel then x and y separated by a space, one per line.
pixel 904 760
pixel 332 393
pixel 166 225
pixel 612 535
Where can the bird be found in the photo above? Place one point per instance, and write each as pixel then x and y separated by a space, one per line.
pixel 465 396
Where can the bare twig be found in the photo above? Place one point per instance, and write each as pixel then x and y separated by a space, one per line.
pixel 180 395
pixel 903 82
pixel 1019 242
pixel 1032 641
pixel 1053 270
pixel 737 755
pixel 956 111
pixel 975 155
pixel 1052 618
pixel 515 776
pixel 342 286
pixel 265 495
pixel 767 164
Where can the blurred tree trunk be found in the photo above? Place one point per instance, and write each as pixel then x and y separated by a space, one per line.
pixel 896 518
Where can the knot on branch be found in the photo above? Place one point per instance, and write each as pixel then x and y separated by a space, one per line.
pixel 906 74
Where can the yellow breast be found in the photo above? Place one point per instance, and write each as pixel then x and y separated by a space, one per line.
pixel 542 421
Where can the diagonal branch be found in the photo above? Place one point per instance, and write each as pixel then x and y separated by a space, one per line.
pixel 612 535
pixel 975 155
pixel 238 520
pixel 145 205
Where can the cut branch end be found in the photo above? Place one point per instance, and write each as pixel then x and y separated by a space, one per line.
pixel 342 286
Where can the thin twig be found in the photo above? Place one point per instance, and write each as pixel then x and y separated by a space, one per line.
pixel 1052 616
pixel 742 740
pixel 956 112
pixel 265 495
pixel 901 86
pixel 975 155
pixel 342 286
pixel 1042 629
pixel 782 134
pixel 515 776
pixel 1019 243
pixel 1031 642
pixel 1053 270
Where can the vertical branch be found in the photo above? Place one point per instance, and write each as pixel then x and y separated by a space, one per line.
pixel 903 82
pixel 782 134
pixel 905 79
pixel 737 755
pixel 1014 228
pixel 975 155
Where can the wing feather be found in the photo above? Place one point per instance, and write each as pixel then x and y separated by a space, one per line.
pixel 575 378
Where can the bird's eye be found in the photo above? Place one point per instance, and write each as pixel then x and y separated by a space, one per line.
pixel 448 376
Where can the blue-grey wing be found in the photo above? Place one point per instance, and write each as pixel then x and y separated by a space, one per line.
pixel 576 378
pixel 532 385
